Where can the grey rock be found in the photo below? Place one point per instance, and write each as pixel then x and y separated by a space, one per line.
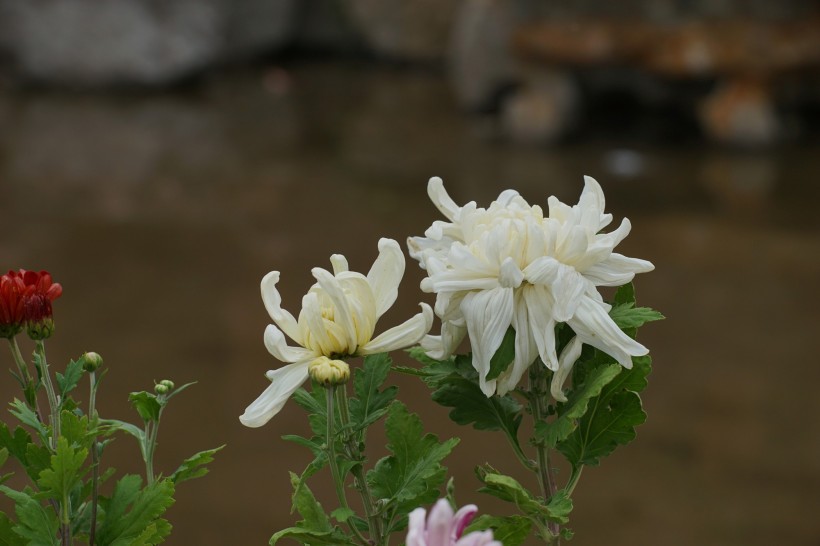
pixel 416 30
pixel 256 26
pixel 481 63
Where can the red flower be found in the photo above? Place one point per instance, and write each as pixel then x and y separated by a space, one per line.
pixel 12 304
pixel 40 292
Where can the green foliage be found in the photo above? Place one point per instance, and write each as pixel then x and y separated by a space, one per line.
pixel 508 530
pixel 132 510
pixel 194 466
pixel 503 356
pixel 611 419
pixel 65 472
pixel 413 474
pixel 36 524
pixel 509 489
pixel 8 537
pixel 68 381
pixel 315 527
pixel 146 405
pixel 369 403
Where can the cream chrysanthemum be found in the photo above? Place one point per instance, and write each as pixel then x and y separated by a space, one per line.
pixel 510 265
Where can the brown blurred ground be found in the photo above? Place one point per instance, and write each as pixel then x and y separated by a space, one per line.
pixel 159 214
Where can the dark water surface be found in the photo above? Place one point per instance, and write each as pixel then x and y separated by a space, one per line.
pixel 159 214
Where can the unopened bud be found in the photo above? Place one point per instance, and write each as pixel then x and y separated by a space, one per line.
pixel 168 383
pixel 329 372
pixel 91 361
pixel 159 388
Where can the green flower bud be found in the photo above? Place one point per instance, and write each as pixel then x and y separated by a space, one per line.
pixel 91 361
pixel 329 372
pixel 168 383
pixel 159 388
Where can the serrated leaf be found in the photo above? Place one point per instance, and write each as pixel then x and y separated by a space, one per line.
pixel 68 381
pixel 8 537
pixel 627 316
pixel 131 510
pixel 314 403
pixel 624 295
pixel 503 356
pixel 194 466
pixel 36 524
pixel 508 530
pixel 146 405
pixel 313 515
pixel 342 514
pixel 471 406
pixel 111 425
pixel 74 428
pixel 562 426
pixel 4 456
pixel 369 403
pixel 509 489
pixel 611 419
pixel 16 443
pixel 155 533
pixel 38 458
pixel 26 416
pixel 413 474
pixel 65 471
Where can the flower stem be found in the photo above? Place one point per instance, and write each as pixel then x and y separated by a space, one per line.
pixel 538 406
pixel 53 402
pixel 95 463
pixel 573 479
pixel 29 389
pixel 352 447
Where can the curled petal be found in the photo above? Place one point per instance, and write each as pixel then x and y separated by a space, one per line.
pixel 385 275
pixel 339 263
pixel 488 314
pixel 462 519
pixel 284 382
pixel 478 538
pixel 566 361
pixel 415 528
pixel 404 335
pixel 342 314
pixel 539 304
pixel 439 524
pixel 440 198
pixel 277 346
pixel 273 304
pixel 595 327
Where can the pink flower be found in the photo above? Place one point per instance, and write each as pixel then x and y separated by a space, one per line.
pixel 443 528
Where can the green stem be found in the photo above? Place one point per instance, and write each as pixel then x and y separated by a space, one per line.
pixel 352 445
pixel 538 406
pixel 151 430
pixel 30 389
pixel 53 402
pixel 341 398
pixel 95 463
pixel 573 479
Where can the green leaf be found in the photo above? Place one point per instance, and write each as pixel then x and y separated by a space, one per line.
pixel 313 538
pixel 194 466
pixel 155 533
pixel 65 471
pixel 36 524
pixel 316 406
pixel 369 403
pixel 611 418
pixel 627 316
pixel 74 428
pixel 73 372
pixel 471 406
pixel 146 405
pixel 178 390
pixel 315 528
pixel 508 489
pixel 342 514
pixel 624 295
pixel 16 443
pixel 504 356
pixel 112 425
pixel 412 475
pixel 8 537
pixel 508 530
pixel 132 510
pixel 26 416
pixel 576 406
pixel 38 458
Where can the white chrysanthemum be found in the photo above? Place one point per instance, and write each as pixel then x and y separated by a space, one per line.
pixel 337 320
pixel 509 265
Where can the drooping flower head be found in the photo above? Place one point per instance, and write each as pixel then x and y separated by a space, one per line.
pixel 12 304
pixel 40 292
pixel 509 265
pixel 337 320
pixel 444 528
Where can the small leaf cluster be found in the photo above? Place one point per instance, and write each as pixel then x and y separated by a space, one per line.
pixel 411 475
pixel 71 496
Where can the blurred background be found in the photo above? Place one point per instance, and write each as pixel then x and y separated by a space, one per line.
pixel 160 157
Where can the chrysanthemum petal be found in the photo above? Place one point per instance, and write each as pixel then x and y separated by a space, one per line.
pixel 594 326
pixel 404 335
pixel 488 314
pixel 462 519
pixel 539 304
pixel 273 304
pixel 441 199
pixel 284 382
pixel 567 290
pixel 277 346
pixel 439 524
pixel 415 528
pixel 385 275
pixel 339 263
pixel 342 315
pixel 566 361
